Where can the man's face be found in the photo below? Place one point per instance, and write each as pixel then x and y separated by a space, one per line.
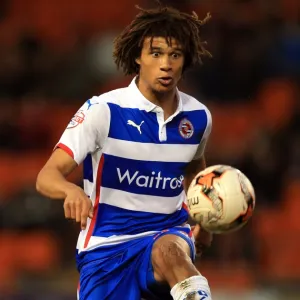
pixel 161 65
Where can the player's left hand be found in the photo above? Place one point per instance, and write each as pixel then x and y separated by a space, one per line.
pixel 203 239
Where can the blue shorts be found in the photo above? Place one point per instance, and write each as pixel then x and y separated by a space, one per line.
pixel 124 271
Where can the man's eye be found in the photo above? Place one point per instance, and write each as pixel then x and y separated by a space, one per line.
pixel 155 54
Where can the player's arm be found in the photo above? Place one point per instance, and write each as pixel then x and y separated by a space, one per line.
pixel 203 239
pixel 198 162
pixel 51 182
pixel 192 169
pixel 85 134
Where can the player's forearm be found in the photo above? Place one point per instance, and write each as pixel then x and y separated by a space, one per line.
pixel 194 167
pixel 51 183
pixel 188 180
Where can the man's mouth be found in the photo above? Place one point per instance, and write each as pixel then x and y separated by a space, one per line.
pixel 167 80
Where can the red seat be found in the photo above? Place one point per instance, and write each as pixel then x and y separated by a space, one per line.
pixel 237 276
pixel 39 251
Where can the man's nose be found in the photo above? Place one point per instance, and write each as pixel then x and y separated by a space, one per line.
pixel 165 64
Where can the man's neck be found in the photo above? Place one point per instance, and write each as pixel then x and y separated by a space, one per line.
pixel 167 101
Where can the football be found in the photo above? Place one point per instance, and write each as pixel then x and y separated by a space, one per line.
pixel 221 199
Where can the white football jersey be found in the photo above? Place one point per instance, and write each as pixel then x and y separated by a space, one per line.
pixel 134 162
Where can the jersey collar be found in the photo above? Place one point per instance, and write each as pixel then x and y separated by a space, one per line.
pixel 145 103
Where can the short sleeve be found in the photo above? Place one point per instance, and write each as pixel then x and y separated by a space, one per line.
pixel 205 137
pixel 87 130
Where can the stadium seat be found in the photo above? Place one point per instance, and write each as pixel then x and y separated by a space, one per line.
pixel 237 276
pixel 277 230
pixel 276 102
pixel 21 252
pixel 39 251
pixel 8 271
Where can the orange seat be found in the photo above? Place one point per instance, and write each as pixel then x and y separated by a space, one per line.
pixel 277 230
pixel 280 256
pixel 237 276
pixel 233 128
pixel 291 204
pixel 276 102
pixel 39 251
pixel 34 252
pixel 17 172
pixel 8 272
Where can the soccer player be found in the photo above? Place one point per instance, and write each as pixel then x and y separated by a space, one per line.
pixel 140 147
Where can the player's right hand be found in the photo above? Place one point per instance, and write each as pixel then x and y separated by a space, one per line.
pixel 78 206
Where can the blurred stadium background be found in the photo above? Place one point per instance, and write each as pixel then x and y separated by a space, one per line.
pixel 54 55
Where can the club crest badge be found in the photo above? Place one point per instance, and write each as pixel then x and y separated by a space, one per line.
pixel 186 128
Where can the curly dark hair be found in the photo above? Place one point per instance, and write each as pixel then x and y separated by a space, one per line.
pixel 165 22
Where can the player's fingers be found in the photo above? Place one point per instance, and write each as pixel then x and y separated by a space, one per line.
pixel 84 214
pixel 83 221
pixel 91 210
pixel 73 210
pixel 67 210
pixel 78 211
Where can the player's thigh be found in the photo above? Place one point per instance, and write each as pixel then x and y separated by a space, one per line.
pixel 169 251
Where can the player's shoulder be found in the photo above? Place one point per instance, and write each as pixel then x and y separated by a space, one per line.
pixel 189 103
pixel 116 96
pixel 102 104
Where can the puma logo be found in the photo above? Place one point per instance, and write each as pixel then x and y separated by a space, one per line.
pixel 138 127
pixel 89 103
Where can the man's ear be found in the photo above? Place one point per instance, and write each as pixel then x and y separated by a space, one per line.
pixel 138 60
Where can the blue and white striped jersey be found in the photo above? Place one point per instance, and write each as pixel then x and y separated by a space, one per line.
pixel 134 162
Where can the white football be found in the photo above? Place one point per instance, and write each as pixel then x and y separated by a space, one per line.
pixel 221 199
